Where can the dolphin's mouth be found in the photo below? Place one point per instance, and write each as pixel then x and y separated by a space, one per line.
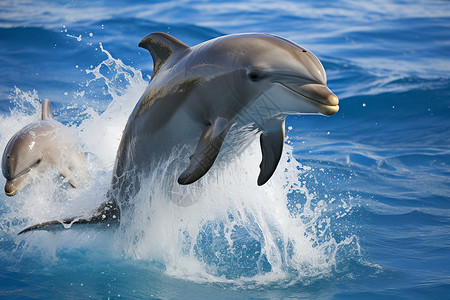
pixel 319 94
pixel 14 185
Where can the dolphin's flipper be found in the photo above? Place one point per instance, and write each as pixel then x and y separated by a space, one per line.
pixel 46 110
pixel 272 141
pixel 106 213
pixel 66 173
pixel 161 46
pixel 46 224
pixel 206 152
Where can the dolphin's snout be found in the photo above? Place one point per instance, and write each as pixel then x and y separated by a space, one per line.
pixel 10 188
pixel 333 99
pixel 320 93
pixel 326 101
pixel 13 186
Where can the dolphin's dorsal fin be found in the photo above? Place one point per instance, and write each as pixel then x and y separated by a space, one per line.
pixel 46 110
pixel 161 46
pixel 206 152
pixel 272 141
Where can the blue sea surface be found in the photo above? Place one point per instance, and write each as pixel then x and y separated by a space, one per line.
pixel 359 207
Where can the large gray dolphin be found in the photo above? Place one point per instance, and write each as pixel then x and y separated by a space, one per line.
pixel 40 146
pixel 197 94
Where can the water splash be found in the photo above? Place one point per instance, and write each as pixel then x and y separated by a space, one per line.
pixel 232 231
pixel 125 85
pixel 235 230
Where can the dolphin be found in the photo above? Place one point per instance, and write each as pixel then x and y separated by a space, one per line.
pixel 246 83
pixel 40 146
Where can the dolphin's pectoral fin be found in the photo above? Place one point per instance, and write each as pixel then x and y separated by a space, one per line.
pixel 106 213
pixel 272 141
pixel 65 172
pixel 206 152
pixel 161 46
pixel 73 183
pixel 46 110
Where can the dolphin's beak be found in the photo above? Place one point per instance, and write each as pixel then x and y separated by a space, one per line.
pixel 13 186
pixel 326 101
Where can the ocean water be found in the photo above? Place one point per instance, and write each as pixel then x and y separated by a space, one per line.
pixel 359 207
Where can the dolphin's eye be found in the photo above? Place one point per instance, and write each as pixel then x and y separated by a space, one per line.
pixel 255 75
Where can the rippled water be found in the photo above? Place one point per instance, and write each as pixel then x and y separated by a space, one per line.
pixel 359 207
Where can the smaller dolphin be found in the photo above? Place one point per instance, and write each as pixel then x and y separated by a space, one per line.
pixel 40 146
